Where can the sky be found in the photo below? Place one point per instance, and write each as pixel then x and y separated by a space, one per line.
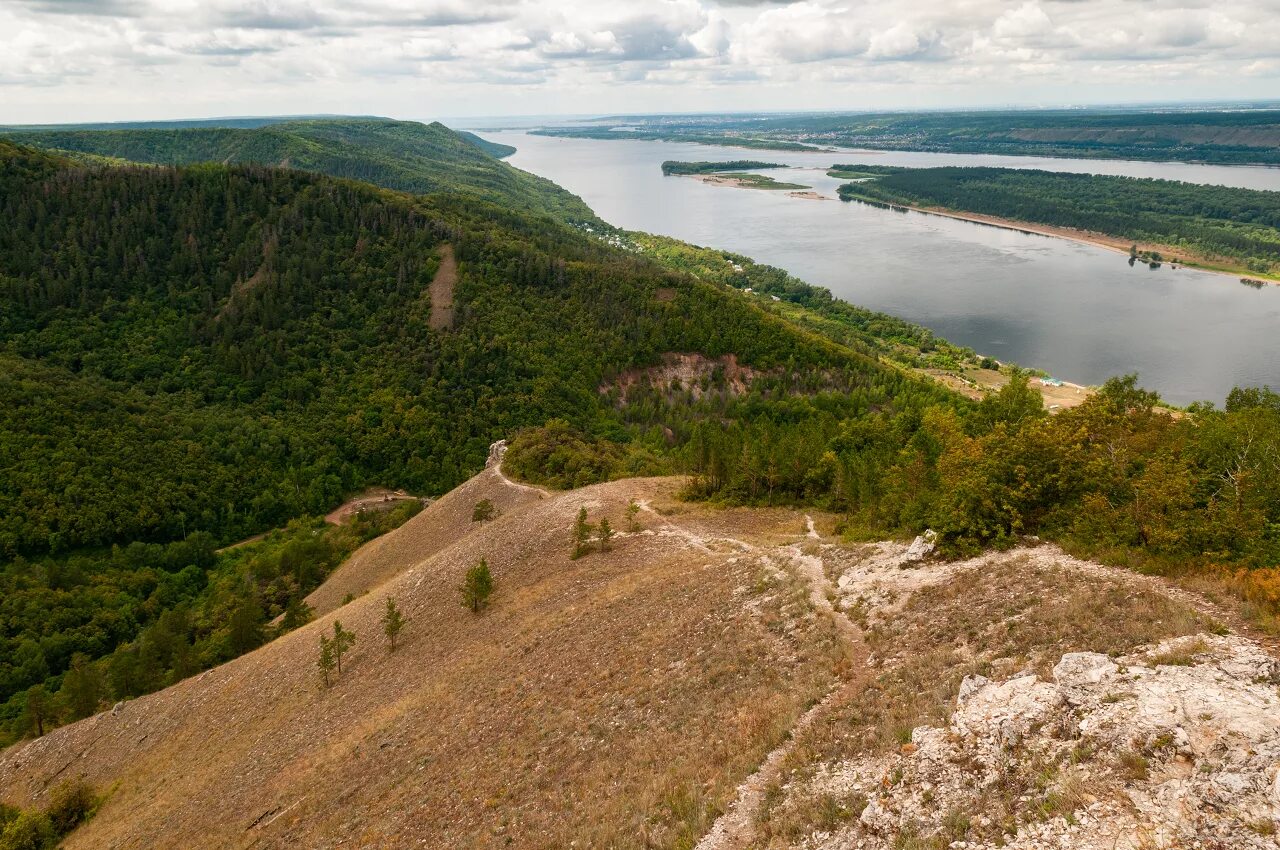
pixel 67 61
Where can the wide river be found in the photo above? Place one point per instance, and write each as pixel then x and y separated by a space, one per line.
pixel 1078 311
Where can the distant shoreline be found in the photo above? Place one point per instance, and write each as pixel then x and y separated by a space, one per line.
pixel 1085 237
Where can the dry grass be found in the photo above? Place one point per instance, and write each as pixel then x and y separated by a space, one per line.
pixel 614 701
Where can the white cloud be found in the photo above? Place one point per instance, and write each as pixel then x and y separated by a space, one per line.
pixel 95 59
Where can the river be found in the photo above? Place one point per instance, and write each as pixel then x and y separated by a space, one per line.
pixel 1078 311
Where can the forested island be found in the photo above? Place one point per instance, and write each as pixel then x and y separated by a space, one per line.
pixel 1213 227
pixel 1226 136
pixel 731 173
pixel 672 166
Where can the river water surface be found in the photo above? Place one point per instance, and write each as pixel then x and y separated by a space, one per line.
pixel 1076 310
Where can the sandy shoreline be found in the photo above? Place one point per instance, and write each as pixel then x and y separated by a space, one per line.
pixel 1100 240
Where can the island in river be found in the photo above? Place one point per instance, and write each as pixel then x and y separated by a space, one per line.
pixel 731 174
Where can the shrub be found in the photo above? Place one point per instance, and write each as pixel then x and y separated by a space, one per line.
pixel 73 804
pixel 484 511
pixel 29 831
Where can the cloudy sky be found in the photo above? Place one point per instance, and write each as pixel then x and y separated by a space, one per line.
pixel 93 60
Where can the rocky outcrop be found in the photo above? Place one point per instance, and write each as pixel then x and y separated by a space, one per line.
pixel 1177 745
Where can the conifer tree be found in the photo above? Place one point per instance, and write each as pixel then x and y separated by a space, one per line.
pixel 39 709
pixel 82 687
pixel 477 586
pixel 392 623
pixel 325 662
pixel 342 641
pixel 582 531
pixel 605 534
pixel 633 510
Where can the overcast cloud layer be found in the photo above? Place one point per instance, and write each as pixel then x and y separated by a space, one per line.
pixel 92 60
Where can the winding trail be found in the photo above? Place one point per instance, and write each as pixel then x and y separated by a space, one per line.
pixel 736 828
pixel 497 452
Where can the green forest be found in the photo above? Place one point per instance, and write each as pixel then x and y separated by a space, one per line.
pixel 193 354
pixel 1206 222
pixel 196 354
pixel 402 155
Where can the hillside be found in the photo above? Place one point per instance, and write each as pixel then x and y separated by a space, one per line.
pixel 402 155
pixel 728 678
pixel 211 351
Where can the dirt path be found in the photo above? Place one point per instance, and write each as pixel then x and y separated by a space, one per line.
pixel 376 498
pixel 441 290
pixel 736 828
pixel 497 452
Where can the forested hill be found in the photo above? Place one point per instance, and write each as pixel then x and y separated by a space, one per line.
pixel 212 350
pixel 494 149
pixel 402 155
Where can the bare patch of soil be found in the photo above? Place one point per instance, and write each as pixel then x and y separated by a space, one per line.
pixel 694 372
pixel 441 290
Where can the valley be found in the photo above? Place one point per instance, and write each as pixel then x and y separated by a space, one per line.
pixel 1075 310
pixel 413 435
pixel 688 480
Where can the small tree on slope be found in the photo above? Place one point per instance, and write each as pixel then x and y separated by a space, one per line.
pixel 392 623
pixel 342 641
pixel 582 531
pixel 477 586
pixel 605 534
pixel 325 662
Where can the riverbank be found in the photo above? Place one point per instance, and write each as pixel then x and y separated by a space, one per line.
pixel 1201 263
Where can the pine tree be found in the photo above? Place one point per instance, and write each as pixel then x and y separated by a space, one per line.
pixel 392 622
pixel 82 687
pixel 296 613
pixel 477 586
pixel 633 510
pixel 325 662
pixel 38 709
pixel 605 534
pixel 342 641
pixel 582 531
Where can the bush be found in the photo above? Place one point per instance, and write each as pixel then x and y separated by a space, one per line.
pixel 557 455
pixel 29 831
pixel 73 804
pixel 484 511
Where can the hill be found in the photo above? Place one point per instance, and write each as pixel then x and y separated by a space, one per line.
pixel 208 352
pixel 494 149
pixel 717 677
pixel 402 155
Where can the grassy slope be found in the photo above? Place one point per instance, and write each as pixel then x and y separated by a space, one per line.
pixel 613 700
